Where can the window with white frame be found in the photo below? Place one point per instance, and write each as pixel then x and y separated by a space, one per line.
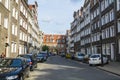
pixel 118 26
pixel 98 11
pixel 112 31
pixel 21 21
pixel 106 3
pixel 0 18
pixel 13 47
pixel 20 35
pixel 13 29
pixel 21 7
pixel 103 34
pixel 106 17
pixel 7 3
pixel 13 12
pixel 119 46
pixel 16 14
pixel 6 22
pixel 118 4
pixel 102 5
pixel 111 15
pixel 16 1
pixel 110 1
pixel 16 30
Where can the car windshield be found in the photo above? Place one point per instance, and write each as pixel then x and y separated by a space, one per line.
pixel 10 63
pixel 95 56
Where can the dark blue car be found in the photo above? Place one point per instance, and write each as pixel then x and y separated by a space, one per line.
pixel 41 57
pixel 31 59
pixel 13 69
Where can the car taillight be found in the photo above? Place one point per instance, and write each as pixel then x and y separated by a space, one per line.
pixel 99 58
pixel 30 63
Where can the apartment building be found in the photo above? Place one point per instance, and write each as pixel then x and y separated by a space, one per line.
pixel 19 29
pixel 14 28
pixel 68 41
pixel 103 27
pixel 55 42
pixel 23 38
pixel 35 27
pixel 85 29
pixel 98 28
pixel 4 26
pixel 118 28
pixel 73 46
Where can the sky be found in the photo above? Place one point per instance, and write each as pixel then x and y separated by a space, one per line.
pixel 55 16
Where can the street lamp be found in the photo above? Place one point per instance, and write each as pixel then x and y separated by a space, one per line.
pixel 100 33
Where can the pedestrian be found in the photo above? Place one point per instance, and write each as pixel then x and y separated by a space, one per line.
pixel 2 55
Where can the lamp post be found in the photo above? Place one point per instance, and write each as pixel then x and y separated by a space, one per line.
pixel 100 33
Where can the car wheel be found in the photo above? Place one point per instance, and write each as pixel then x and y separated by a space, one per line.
pixel 21 78
pixel 90 64
pixel 28 74
pixel 36 66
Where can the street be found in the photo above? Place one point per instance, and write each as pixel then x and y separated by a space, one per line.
pixel 58 68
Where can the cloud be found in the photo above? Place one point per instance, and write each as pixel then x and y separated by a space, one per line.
pixel 46 19
pixel 76 1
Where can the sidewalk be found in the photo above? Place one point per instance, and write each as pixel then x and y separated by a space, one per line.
pixel 112 67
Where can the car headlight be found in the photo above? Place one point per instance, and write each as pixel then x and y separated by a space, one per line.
pixel 12 77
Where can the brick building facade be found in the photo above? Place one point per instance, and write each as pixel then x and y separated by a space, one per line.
pixel 55 41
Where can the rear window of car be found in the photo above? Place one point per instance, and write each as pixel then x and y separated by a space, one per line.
pixel 95 56
pixel 81 55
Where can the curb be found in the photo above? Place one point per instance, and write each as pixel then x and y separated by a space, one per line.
pixel 109 71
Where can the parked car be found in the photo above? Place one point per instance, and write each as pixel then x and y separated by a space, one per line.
pixel 41 57
pixel 31 58
pixel 79 56
pixel 95 59
pixel 14 69
pixel 68 55
pixel 62 54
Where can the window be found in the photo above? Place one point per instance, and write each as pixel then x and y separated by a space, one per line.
pixel 102 5
pixel 20 35
pixel 13 12
pixel 13 47
pixel 21 21
pixel 118 26
pixel 16 1
pixel 103 34
pixel 6 3
pixel 98 11
pixel 16 15
pixel 112 31
pixel 119 46
pixel 13 29
pixel 21 7
pixel 111 15
pixel 106 18
pixel 6 22
pixel 16 30
pixel 106 3
pixel 0 18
